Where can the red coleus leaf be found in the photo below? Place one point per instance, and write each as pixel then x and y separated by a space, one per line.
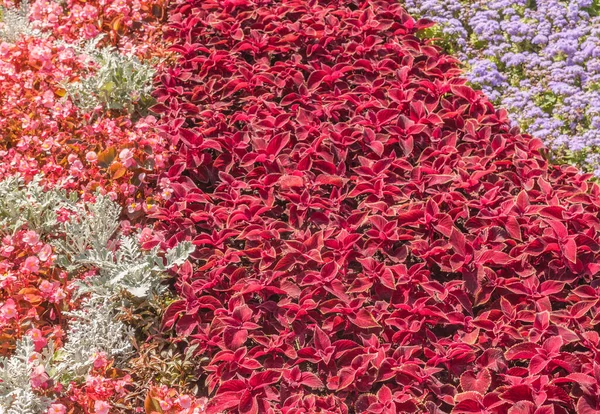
pixel 327 179
pixel 172 312
pixel 264 378
pixel 581 378
pixel 235 337
pixel 513 227
pixel 588 404
pixel 289 181
pixel 551 287
pixel 311 380
pixel 223 401
pixel 364 319
pixel 248 403
pixel 478 382
pixel 517 393
pixel 537 364
pixel 527 407
pixel 343 381
pixel 386 115
pixel 464 92
pixel 315 79
pixel 458 242
pixel 523 350
pixel 569 249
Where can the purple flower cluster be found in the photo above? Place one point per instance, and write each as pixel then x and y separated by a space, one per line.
pixel 539 59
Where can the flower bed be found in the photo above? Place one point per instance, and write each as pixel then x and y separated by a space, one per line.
pixel 347 226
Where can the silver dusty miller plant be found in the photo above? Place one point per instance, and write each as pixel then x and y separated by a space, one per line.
pixel 16 394
pixel 89 240
pixel 121 265
pixel 119 81
pixel 14 23
pixel 93 329
pixel 30 204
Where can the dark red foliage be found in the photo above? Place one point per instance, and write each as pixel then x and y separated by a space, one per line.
pixel 371 234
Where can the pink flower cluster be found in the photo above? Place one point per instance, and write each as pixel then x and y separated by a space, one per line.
pixel 165 400
pixel 44 133
pixel 33 293
pixel 131 24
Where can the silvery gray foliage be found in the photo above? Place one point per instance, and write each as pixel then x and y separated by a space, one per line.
pixel 92 329
pixel 14 23
pixel 30 204
pixel 120 262
pixel 90 228
pixel 16 393
pixel 119 81
pixel 89 240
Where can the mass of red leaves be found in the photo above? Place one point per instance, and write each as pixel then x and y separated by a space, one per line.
pixel 372 235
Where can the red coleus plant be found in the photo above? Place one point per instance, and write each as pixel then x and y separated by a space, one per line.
pixel 372 235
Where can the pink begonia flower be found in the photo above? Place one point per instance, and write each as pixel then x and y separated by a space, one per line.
pixel 31 265
pixel 39 376
pixel 42 54
pixel 133 207
pixel 100 361
pixel 7 250
pixel 165 405
pixel 184 401
pixel 32 314
pixel 167 193
pixel 47 144
pixel 35 334
pixel 48 99
pixel 120 386
pixel 6 279
pixel 149 207
pixel 126 227
pixel 8 310
pixel 92 381
pixel 38 339
pixel 126 157
pixel 91 157
pixel 31 238
pixel 45 253
pixel 76 168
pixel 47 287
pixel 101 407
pixel 58 295
pixel 57 409
pixel 71 158
pixel 63 215
pixel 90 31
pixel 127 188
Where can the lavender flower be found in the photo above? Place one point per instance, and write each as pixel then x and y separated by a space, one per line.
pixel 540 60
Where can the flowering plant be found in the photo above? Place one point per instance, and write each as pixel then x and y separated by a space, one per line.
pixel 55 320
pixel 540 60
